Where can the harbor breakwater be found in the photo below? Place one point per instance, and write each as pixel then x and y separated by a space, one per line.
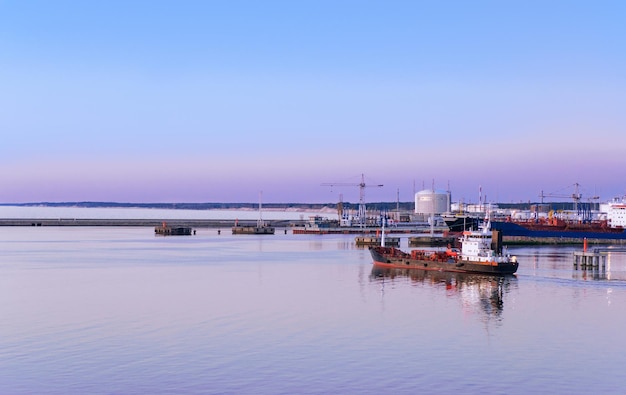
pixel 198 223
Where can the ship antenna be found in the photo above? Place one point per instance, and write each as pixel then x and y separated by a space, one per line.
pixel 382 239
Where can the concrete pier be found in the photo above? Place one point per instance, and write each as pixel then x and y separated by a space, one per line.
pixel 589 260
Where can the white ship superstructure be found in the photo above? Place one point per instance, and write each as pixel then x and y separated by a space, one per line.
pixel 616 212
pixel 476 246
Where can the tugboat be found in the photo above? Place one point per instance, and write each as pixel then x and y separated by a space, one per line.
pixel 477 255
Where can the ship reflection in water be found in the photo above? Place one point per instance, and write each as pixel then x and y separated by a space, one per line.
pixel 482 293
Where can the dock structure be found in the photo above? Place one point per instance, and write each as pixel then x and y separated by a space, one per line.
pixel 348 230
pixel 261 228
pixel 589 259
pixel 253 230
pixel 165 230
pixel 376 241
pixel 432 241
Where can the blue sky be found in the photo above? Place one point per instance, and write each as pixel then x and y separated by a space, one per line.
pixel 214 101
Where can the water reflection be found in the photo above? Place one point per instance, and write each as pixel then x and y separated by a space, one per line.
pixel 590 274
pixel 482 293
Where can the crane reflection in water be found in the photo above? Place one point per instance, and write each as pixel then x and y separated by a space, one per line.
pixel 484 293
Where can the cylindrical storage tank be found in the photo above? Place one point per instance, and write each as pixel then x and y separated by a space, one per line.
pixel 432 202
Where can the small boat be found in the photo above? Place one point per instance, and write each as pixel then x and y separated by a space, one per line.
pixel 477 255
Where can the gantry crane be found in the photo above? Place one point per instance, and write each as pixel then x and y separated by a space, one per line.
pixel 362 185
pixel 576 196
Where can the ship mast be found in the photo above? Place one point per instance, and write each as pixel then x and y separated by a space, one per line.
pixel 260 224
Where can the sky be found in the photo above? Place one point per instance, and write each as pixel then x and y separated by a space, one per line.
pixel 236 101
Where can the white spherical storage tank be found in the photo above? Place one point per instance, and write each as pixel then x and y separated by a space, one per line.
pixel 432 202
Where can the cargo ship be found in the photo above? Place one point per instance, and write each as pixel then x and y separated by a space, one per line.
pixel 559 229
pixel 478 254
pixel 461 222
pixel 612 227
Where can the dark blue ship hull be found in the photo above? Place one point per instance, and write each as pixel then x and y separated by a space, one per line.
pixel 513 229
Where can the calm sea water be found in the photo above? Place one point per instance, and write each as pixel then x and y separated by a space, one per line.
pixel 121 311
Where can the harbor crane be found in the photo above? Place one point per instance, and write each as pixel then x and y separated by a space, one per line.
pixel 362 185
pixel 576 196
